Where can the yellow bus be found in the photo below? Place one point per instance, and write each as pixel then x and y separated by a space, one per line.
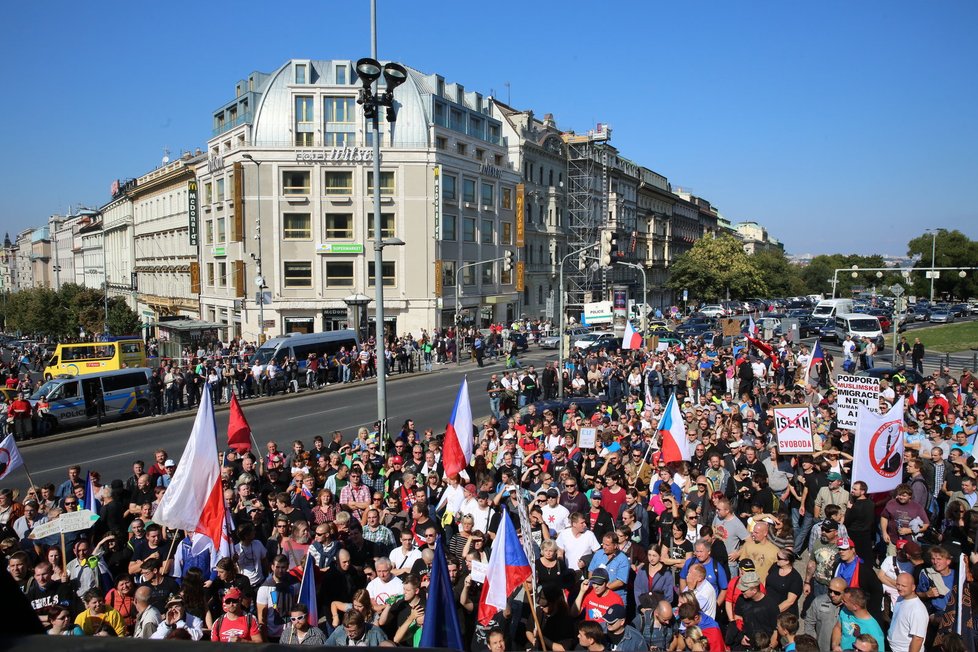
pixel 90 357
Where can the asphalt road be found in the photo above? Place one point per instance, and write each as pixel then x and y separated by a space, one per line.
pixel 426 398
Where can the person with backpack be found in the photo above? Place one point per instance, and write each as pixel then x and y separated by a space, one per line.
pixel 234 625
pixel 276 597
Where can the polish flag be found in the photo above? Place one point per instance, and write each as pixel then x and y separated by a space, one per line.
pixel 631 340
pixel 508 568
pixel 672 429
pixel 239 432
pixel 457 450
pixel 194 501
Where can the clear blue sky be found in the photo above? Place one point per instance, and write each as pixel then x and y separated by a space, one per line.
pixel 841 126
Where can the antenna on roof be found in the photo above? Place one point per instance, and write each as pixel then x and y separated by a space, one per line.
pixel 166 155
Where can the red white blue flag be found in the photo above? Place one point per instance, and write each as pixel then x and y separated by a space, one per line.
pixel 307 591
pixel 672 432
pixel 458 435
pixel 631 340
pixel 508 569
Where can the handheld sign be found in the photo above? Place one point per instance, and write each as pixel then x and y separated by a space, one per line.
pixel 67 522
pixel 586 437
pixel 794 429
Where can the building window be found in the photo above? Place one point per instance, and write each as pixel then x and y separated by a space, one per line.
pixel 487 273
pixel 208 192
pixel 209 232
pixel 220 190
pixel 468 191
pixel 488 194
pixel 487 232
pixel 339 226
pixel 506 277
pixel 461 148
pixel 449 188
pixel 468 229
pixel 339 121
pixel 480 154
pixel 506 235
pixel 305 121
pixel 296 226
pixel 440 114
pixel 441 143
pixel 221 230
pixel 297 274
pixel 210 274
pixel 386 183
pixel 341 78
pixel 339 274
pixel 387 269
pixel 457 120
pixel 448 273
pixel 449 227
pixel 295 182
pixel 468 273
pixel 338 183
pixel 507 199
pixel 300 73
pixel 222 275
pixel 387 229
pixel 494 134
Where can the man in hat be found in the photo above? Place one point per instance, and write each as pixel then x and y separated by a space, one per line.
pixel 235 625
pixel 757 611
pixel 821 564
pixel 621 635
pixel 834 494
pixel 595 598
pixel 858 573
pixel 176 617
pixel 555 516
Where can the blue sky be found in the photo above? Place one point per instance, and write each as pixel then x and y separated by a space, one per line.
pixel 841 126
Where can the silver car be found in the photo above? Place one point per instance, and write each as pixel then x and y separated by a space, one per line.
pixel 941 317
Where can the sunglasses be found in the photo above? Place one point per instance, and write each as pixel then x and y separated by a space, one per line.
pixel 232 601
pixel 297 619
pixel 831 592
pixel 71 502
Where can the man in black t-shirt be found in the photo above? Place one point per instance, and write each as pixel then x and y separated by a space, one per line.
pixel 757 611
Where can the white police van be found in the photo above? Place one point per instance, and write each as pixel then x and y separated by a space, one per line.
pixel 78 400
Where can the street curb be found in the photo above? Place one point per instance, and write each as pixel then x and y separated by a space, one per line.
pixel 126 423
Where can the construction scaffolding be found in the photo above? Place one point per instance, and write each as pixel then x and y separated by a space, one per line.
pixel 587 214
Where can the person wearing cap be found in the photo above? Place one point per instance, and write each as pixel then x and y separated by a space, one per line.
pixel 821 564
pixel 621 635
pixel 176 617
pixel 595 598
pixel 834 494
pixel 758 611
pixel 164 480
pixel 234 625
pixel 858 573
pixel 555 516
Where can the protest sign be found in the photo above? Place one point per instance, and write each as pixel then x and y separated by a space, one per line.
pixel 67 522
pixel 794 429
pixel 854 391
pixel 586 437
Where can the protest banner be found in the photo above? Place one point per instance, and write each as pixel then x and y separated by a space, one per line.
pixel 794 429
pixel 854 391
pixel 586 437
pixel 67 522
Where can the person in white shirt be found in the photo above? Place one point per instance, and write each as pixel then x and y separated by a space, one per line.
pixel 705 593
pixel 176 617
pixel 908 628
pixel 251 554
pixel 452 497
pixel 403 558
pixel 576 541
pixel 555 515
pixel 384 588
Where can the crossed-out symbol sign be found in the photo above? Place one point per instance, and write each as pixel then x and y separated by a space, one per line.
pixel 882 449
pixel 789 422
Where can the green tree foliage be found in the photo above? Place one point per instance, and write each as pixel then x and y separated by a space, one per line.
pixel 817 275
pixel 780 275
pixel 951 249
pixel 714 267
pixel 44 312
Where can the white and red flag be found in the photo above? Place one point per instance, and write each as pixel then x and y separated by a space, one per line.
pixel 194 501
pixel 457 451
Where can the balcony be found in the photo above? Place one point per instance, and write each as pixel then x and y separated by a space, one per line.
pixel 227 125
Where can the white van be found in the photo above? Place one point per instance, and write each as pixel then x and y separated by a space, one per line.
pixel 831 307
pixel 859 326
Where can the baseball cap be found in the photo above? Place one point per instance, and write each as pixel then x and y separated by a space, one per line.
pixel 483 495
pixel 844 543
pixel 552 492
pixel 912 549
pixel 749 580
pixel 232 594
pixel 470 488
pixel 599 576
pixel 169 463
pixel 834 476
pixel 829 524
pixel 614 613
pixel 901 544
pixel 397 459
pixel 596 494
pixel 174 599
pixel 735 444
pixel 747 564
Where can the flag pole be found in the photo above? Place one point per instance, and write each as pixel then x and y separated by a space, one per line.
pixel 533 610
pixel 30 479
pixel 645 459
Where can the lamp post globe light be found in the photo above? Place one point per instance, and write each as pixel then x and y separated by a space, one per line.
pixel 369 70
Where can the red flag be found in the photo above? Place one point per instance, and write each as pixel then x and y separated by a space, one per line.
pixel 239 432
pixel 766 349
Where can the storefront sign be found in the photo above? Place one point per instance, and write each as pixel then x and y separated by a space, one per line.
pixel 520 215
pixel 439 267
pixel 489 170
pixel 339 248
pixel 220 251
pixel 192 212
pixel 437 203
pixel 337 155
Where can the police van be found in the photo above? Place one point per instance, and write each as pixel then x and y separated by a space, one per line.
pixel 92 398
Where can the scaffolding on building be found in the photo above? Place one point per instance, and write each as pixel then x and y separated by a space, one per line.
pixel 587 213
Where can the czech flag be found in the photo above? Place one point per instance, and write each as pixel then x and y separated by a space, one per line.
pixel 914 395
pixel 631 340
pixel 508 568
pixel 817 357
pixel 307 590
pixel 457 450
pixel 91 500
pixel 672 431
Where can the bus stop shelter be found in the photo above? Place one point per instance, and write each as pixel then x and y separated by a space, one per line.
pixel 181 335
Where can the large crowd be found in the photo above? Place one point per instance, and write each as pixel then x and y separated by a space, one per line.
pixel 738 548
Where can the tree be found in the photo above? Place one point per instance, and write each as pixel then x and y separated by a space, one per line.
pixel 782 278
pixel 716 267
pixel 122 319
pixel 818 274
pixel 951 249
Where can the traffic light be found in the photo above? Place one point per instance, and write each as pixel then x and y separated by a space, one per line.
pixel 508 261
pixel 608 247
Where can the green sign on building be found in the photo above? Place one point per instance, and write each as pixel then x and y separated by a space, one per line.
pixel 339 248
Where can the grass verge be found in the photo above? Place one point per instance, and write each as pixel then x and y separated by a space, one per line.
pixel 948 338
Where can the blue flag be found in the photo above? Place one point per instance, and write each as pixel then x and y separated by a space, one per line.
pixel 307 590
pixel 91 500
pixel 440 627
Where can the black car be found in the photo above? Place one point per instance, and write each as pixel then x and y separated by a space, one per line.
pixel 522 344
pixel 887 372
pixel 810 326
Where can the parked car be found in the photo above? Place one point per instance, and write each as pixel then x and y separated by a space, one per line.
pixel 921 313
pixel 522 343
pixel 599 339
pixel 960 310
pixel 713 310
pixel 553 341
pixel 941 317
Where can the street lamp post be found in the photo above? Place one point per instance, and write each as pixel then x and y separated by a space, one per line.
pixel 259 277
pixel 458 301
pixel 645 294
pixel 933 258
pixel 369 70
pixel 561 321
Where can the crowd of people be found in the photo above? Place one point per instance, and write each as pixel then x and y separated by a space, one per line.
pixel 738 547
